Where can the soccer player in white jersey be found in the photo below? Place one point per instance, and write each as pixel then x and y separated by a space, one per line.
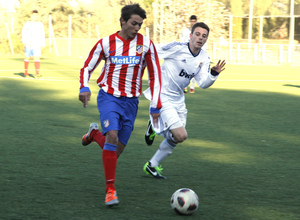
pixel 33 38
pixel 126 54
pixel 182 62
pixel 185 37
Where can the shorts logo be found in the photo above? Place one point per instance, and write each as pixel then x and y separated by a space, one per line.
pixel 106 123
pixel 125 60
pixel 139 49
pixel 166 124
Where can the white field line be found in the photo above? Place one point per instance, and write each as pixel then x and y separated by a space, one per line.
pixel 22 70
pixel 55 79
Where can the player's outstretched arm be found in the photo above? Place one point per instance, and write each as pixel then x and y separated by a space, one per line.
pixel 84 97
pixel 220 66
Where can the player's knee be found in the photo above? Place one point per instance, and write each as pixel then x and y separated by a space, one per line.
pixel 179 138
pixel 112 137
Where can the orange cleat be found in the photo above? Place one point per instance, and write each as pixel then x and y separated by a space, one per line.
pixel 86 139
pixel 111 198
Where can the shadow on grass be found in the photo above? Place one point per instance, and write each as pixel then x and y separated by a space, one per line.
pixel 21 74
pixel 296 86
pixel 241 156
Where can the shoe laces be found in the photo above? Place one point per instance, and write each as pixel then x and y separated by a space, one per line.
pixel 152 135
pixel 159 169
pixel 110 194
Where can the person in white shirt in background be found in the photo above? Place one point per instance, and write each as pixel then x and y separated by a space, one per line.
pixel 33 38
pixel 182 63
pixel 185 37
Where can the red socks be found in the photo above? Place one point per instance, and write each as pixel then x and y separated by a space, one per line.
pixel 26 64
pixel 37 64
pixel 37 67
pixel 98 137
pixel 109 158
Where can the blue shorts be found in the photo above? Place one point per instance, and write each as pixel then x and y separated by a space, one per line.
pixel 117 113
pixel 29 52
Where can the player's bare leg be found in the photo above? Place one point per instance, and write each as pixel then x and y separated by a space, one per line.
pixel 120 149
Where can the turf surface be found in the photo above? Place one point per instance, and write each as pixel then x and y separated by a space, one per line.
pixel 241 156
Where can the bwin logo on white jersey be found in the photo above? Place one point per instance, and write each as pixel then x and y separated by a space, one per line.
pixel 183 73
pixel 125 60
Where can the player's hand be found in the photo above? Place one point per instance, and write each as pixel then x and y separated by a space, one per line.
pixel 155 119
pixel 84 97
pixel 220 66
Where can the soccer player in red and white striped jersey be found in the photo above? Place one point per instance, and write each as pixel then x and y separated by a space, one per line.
pixel 126 54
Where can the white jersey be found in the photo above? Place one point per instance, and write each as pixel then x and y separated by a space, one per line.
pixel 179 67
pixel 33 34
pixel 185 36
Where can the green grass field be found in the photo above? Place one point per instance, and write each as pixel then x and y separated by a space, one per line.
pixel 242 156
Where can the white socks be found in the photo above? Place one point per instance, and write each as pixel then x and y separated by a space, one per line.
pixel 165 149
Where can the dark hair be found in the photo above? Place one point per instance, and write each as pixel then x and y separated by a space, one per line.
pixel 202 25
pixel 133 9
pixel 35 11
pixel 193 17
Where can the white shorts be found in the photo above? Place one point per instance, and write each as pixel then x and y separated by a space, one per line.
pixel 33 51
pixel 171 117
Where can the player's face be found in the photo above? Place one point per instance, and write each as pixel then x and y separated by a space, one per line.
pixel 131 27
pixel 192 22
pixel 34 16
pixel 198 38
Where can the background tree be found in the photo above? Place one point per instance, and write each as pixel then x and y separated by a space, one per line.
pixel 176 14
pixel 276 27
pixel 94 19
pixel 236 8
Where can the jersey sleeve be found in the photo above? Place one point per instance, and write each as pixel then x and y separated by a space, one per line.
pixel 154 77
pixel 204 78
pixel 169 50
pixel 25 33
pixel 90 64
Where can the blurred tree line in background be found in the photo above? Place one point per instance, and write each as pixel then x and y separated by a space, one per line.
pixel 99 18
pixel 172 16
pixel 274 27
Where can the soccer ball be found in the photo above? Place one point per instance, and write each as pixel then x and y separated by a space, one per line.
pixel 184 201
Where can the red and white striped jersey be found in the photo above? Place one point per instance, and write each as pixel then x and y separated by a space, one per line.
pixel 125 62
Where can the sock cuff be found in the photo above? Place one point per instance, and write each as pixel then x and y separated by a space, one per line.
pixel 170 139
pixel 169 143
pixel 110 147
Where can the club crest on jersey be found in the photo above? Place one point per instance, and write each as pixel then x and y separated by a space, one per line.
pixel 139 49
pixel 106 123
